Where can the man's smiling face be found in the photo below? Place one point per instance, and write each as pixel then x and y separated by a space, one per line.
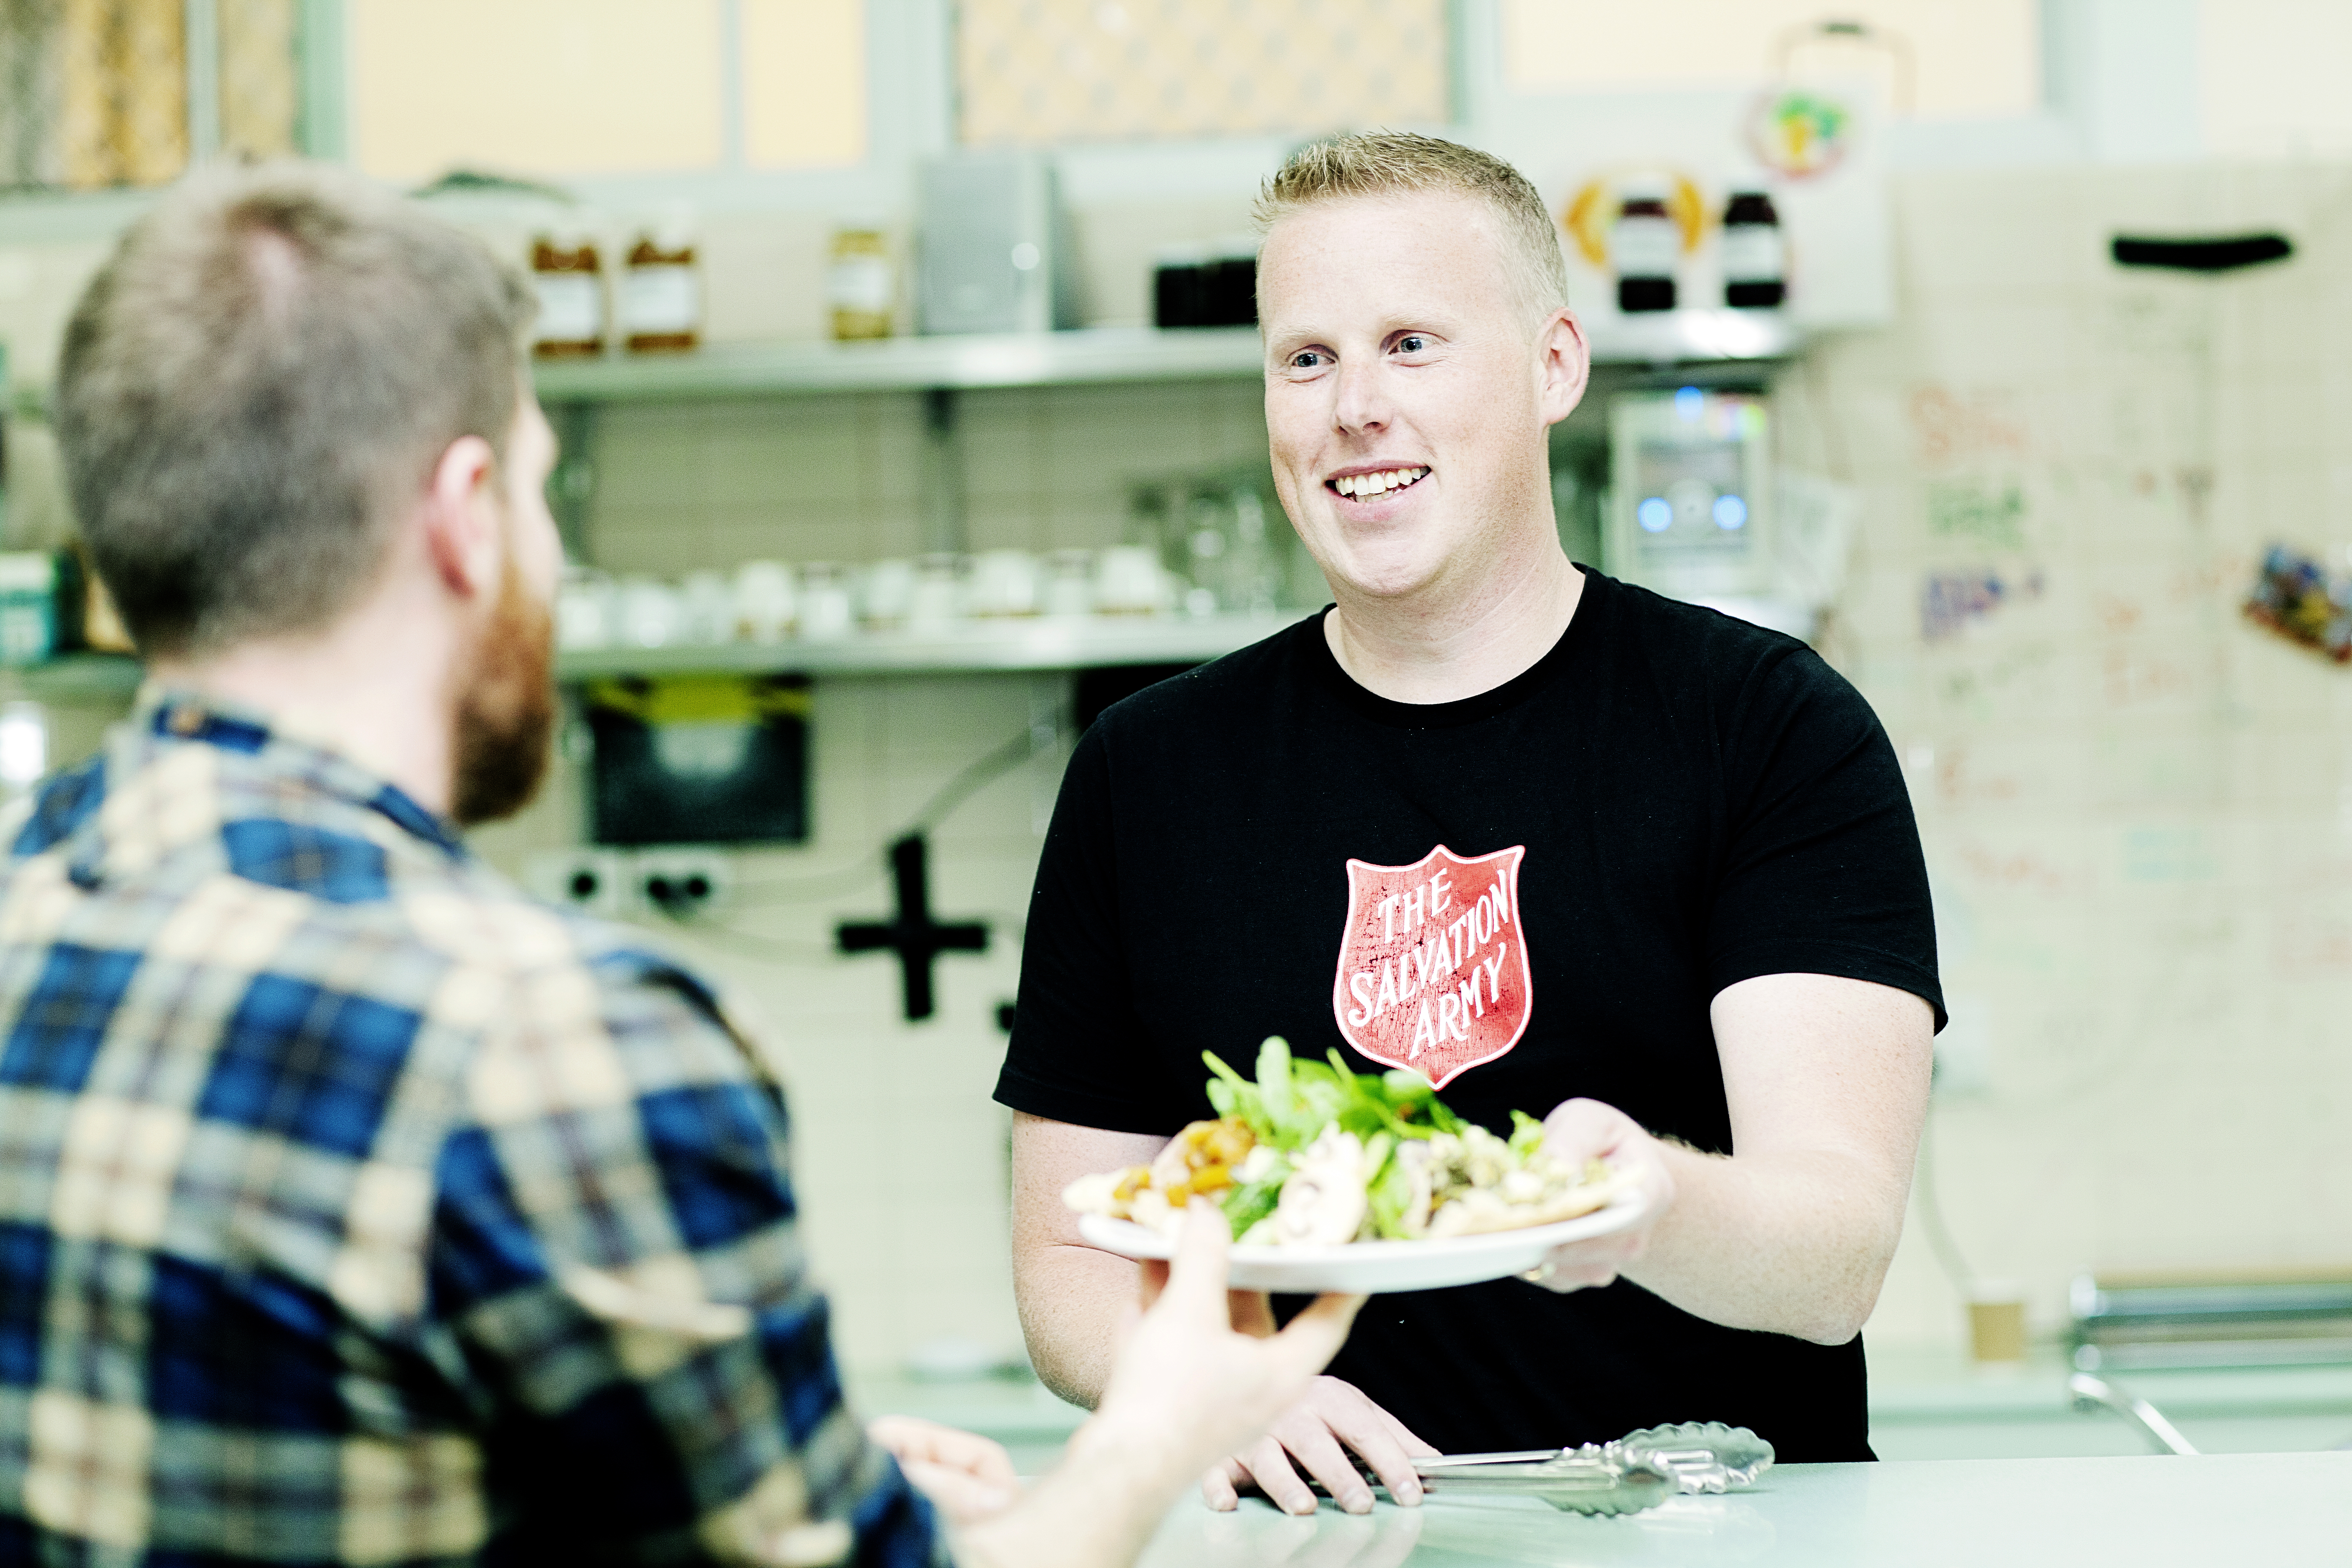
pixel 1406 394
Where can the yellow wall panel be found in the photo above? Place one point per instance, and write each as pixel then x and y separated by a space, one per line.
pixel 803 83
pixel 535 87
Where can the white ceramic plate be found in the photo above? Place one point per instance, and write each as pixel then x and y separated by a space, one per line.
pixel 1367 1267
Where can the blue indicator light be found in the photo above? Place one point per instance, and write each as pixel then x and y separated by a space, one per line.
pixel 1730 513
pixel 1689 404
pixel 1654 515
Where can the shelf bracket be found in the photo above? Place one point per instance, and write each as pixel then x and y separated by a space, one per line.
pixel 571 486
pixel 943 496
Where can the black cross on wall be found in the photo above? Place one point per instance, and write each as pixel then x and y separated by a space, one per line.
pixel 912 934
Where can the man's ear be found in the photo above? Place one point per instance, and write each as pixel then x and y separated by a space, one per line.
pixel 462 518
pixel 1564 362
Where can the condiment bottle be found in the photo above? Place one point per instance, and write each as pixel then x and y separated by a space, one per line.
pixel 1755 261
pixel 858 284
pixel 661 289
pixel 1180 283
pixel 1643 245
pixel 569 275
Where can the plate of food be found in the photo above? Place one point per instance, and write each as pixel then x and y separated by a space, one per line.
pixel 1336 1180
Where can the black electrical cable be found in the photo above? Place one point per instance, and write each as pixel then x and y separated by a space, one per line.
pixel 687 915
pixel 976 775
pixel 969 781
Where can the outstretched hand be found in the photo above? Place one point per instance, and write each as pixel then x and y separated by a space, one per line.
pixel 1185 1387
pixel 966 1475
pixel 1187 1373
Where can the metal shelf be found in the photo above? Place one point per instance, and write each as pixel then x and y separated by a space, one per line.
pixel 1038 644
pixel 1692 337
pixel 1093 355
pixel 1041 644
pixel 1089 355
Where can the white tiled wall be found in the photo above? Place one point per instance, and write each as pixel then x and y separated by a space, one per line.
pixel 843 478
pixel 2137 807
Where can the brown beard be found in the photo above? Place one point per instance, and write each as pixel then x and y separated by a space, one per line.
pixel 506 714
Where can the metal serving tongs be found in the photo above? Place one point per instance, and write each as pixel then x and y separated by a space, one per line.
pixel 1703 1455
pixel 1639 1470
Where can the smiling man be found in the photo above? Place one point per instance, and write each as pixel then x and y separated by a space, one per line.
pixel 1557 843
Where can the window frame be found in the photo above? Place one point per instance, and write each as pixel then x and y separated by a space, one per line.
pixel 2119 85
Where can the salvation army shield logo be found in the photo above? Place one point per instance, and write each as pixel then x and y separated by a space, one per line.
pixel 1432 965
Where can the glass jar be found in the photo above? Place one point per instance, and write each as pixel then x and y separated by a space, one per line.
pixel 1755 260
pixel 825 608
pixel 937 604
pixel 1070 588
pixel 1644 245
pixel 885 594
pixel 767 602
pixel 568 272
pixel 661 289
pixel 1005 583
pixel 859 284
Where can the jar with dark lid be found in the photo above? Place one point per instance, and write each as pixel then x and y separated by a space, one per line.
pixel 568 273
pixel 1755 260
pixel 1644 245
pixel 661 289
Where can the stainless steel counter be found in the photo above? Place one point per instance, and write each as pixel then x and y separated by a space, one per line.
pixel 1994 1513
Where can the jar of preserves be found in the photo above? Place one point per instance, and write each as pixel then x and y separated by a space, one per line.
pixel 1755 261
pixel 661 289
pixel 1644 245
pixel 859 283
pixel 568 271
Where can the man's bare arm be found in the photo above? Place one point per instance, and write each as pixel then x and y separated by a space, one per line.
pixel 1070 1294
pixel 1183 1388
pixel 1826 1079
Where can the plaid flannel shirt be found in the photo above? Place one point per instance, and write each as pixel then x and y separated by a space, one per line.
pixel 355 1209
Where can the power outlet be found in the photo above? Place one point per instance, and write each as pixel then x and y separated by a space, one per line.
pixel 594 881
pixel 681 883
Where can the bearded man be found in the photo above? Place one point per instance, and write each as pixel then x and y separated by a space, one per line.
pixel 1554 842
pixel 354 1209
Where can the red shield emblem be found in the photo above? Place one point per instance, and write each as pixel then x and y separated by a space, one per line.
pixel 1434 967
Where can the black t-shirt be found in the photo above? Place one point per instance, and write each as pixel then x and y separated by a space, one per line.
pixel 1530 894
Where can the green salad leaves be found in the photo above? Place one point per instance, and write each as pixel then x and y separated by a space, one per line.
pixel 1308 1154
pixel 1293 1102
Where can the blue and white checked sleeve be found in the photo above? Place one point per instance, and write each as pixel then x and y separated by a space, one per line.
pixel 614 1256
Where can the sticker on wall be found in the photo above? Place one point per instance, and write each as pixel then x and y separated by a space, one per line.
pixel 2296 597
pixel 1951 602
pixel 1989 512
pixel 1800 132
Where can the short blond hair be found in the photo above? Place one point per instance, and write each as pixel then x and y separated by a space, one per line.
pixel 1398 162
